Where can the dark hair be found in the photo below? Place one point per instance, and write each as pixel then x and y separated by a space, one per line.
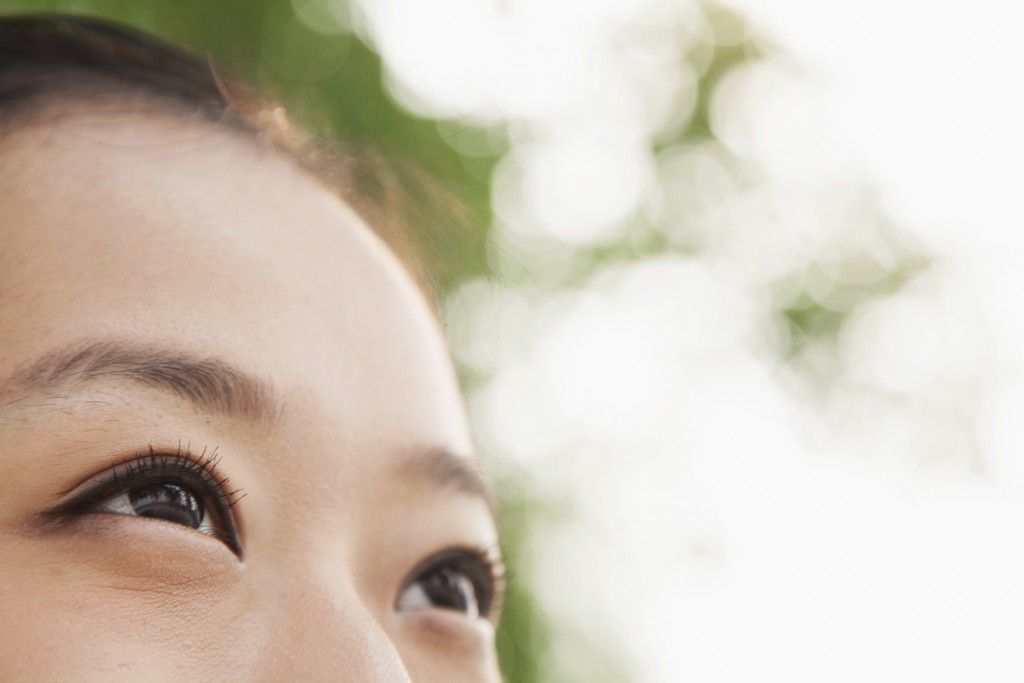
pixel 46 60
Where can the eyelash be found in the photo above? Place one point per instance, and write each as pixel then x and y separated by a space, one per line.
pixel 483 567
pixel 198 472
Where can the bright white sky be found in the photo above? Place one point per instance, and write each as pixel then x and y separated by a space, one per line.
pixel 930 97
pixel 876 575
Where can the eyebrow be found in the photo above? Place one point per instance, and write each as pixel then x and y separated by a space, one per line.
pixel 449 470
pixel 215 385
pixel 209 383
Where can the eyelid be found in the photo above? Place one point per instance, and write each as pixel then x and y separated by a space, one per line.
pixel 181 466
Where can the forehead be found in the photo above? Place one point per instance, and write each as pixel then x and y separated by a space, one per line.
pixel 178 233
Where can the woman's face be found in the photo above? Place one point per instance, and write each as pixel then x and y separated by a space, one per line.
pixel 231 443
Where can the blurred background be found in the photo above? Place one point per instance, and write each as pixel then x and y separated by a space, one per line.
pixel 734 300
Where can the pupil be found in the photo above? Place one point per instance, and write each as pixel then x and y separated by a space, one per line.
pixel 450 589
pixel 167 501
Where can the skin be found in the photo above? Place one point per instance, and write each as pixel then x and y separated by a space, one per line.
pixel 131 228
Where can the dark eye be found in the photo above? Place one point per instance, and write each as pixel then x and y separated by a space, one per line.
pixel 162 500
pixel 175 488
pixel 463 581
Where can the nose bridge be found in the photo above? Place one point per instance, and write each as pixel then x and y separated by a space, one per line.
pixel 323 631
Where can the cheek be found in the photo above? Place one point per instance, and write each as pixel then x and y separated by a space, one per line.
pixel 113 618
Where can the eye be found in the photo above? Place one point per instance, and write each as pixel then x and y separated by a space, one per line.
pixel 460 580
pixel 165 500
pixel 176 488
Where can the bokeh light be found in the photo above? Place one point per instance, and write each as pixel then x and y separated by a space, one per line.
pixel 765 391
